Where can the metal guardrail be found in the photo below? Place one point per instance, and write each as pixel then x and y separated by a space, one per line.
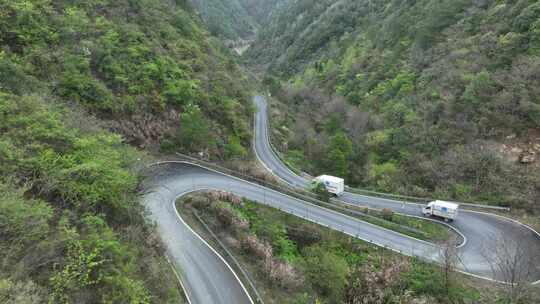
pixel 299 193
pixel 420 200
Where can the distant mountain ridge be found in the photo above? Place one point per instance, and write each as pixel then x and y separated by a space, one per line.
pixel 235 19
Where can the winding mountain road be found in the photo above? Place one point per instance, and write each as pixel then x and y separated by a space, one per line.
pixel 207 278
pixel 481 230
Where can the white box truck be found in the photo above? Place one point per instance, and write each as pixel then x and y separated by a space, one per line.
pixel 334 185
pixel 445 210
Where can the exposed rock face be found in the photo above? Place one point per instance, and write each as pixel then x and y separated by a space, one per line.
pixel 145 129
pixel 523 149
pixel 516 150
pixel 528 158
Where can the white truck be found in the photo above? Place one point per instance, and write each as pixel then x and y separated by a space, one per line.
pixel 334 185
pixel 445 210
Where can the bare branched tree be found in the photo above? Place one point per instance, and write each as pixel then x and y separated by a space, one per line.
pixel 356 123
pixel 513 264
pixel 449 259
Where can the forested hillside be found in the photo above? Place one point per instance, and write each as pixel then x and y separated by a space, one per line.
pixel 79 82
pixel 236 19
pixel 432 98
pixel 142 66
pixel 226 18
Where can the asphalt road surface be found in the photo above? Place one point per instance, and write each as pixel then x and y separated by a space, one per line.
pixel 207 278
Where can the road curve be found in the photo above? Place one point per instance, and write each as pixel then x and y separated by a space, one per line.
pixel 205 276
pixel 481 230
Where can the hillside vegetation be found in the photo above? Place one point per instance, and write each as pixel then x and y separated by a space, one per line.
pixel 226 18
pixel 79 81
pixel 139 65
pixel 236 19
pixel 431 98
pixel 72 230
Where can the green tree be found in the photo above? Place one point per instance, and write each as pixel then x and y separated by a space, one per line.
pixel 96 259
pixel 77 84
pixel 23 223
pixel 326 271
pixel 337 163
pixel 479 90
pixel 383 175
pixel 234 149
pixel 95 176
pixel 194 130
pixel 341 142
pixel 20 292
pixel 534 47
pixel 321 191
pixel 338 154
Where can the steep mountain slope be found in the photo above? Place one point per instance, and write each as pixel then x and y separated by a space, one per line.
pixel 421 97
pixel 236 19
pixel 262 11
pixel 71 74
pixel 139 65
pixel 226 18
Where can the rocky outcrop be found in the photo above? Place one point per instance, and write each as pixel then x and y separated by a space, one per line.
pixel 523 149
pixel 145 129
pixel 527 157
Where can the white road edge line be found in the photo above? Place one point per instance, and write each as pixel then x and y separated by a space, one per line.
pixel 515 222
pixel 167 254
pixel 202 240
pixel 179 280
pixel 259 158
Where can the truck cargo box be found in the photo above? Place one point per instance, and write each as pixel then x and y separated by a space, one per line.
pixel 334 185
pixel 445 210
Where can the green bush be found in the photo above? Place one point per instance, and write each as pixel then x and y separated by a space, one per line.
pixel 234 149
pixel 326 271
pixel 74 184
pixel 23 223
pixel 94 259
pixel 94 177
pixel 387 214
pixel 322 193
pixel 194 132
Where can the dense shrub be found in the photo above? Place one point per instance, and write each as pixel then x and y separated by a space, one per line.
pixel 56 232
pixel 124 59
